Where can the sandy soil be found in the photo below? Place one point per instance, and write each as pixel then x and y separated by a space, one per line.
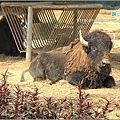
pixel 16 65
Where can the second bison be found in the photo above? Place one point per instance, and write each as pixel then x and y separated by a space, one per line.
pixel 86 61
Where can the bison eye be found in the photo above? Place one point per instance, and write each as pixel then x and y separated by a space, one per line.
pixel 93 49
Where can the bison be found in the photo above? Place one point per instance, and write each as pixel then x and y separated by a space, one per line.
pixel 7 43
pixel 85 61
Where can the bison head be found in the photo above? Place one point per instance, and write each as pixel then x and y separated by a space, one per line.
pixel 97 45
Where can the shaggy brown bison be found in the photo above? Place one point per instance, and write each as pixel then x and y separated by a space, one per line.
pixel 83 61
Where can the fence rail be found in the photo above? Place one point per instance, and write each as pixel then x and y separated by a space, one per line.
pixel 48 32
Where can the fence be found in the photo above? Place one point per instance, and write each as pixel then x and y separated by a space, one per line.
pixel 48 32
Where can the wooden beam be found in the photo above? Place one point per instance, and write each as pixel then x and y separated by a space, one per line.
pixel 29 34
pixel 53 5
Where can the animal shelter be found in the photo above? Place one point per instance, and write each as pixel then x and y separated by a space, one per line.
pixel 39 28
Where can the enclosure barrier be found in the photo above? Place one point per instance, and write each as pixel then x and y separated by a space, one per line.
pixel 48 32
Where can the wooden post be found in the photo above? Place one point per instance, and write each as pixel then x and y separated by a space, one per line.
pixel 29 34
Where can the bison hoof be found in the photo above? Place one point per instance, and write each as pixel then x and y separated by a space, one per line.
pixel 109 82
pixel 53 82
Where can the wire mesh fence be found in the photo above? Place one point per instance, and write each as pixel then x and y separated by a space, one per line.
pixel 48 32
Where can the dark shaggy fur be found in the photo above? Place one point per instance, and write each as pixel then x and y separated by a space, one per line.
pixel 7 43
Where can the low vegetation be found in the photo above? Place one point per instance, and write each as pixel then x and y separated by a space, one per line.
pixel 16 103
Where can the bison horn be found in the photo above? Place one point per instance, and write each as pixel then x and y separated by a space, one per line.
pixel 113 40
pixel 84 43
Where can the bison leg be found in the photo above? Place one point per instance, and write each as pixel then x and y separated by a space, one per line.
pixel 76 78
pixel 95 83
pixel 109 82
pixel 54 72
pixel 37 71
pixel 40 75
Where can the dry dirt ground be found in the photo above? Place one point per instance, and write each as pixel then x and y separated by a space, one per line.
pixel 16 65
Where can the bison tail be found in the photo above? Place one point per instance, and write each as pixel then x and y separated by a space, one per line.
pixel 22 76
